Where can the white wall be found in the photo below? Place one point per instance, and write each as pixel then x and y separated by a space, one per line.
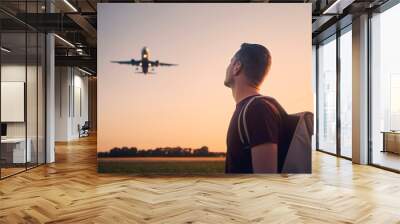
pixel 70 94
pixel 80 103
pixel 62 81
pixel 33 127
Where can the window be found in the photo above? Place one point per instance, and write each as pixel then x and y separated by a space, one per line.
pixel 327 95
pixel 385 89
pixel 22 94
pixel 346 93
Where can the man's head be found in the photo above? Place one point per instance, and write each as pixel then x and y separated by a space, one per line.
pixel 249 66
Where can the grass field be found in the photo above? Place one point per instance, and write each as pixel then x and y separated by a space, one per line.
pixel 162 165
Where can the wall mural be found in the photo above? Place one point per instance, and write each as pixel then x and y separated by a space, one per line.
pixel 173 79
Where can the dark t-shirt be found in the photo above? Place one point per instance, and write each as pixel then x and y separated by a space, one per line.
pixel 264 126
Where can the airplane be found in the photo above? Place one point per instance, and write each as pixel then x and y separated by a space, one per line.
pixel 145 63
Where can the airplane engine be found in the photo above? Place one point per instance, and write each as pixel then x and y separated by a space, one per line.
pixel 157 63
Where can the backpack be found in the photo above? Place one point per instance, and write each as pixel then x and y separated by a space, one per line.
pixel 298 130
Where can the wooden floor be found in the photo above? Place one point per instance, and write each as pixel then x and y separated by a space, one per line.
pixel 387 159
pixel 5 172
pixel 71 191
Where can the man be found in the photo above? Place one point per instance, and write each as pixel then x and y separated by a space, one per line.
pixel 244 75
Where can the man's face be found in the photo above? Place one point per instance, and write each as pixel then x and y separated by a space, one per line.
pixel 229 76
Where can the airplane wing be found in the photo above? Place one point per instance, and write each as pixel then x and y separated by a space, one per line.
pixel 157 63
pixel 167 64
pixel 130 62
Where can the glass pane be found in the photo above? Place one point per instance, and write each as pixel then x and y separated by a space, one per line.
pixel 314 74
pixel 41 98
pixel 327 96
pixel 385 101
pixel 31 100
pixel 13 87
pixel 346 94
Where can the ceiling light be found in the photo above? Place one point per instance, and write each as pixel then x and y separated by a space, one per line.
pixel 84 71
pixel 65 41
pixel 70 5
pixel 337 7
pixel 5 50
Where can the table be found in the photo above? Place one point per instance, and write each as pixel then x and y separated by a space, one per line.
pixel 13 150
pixel 391 141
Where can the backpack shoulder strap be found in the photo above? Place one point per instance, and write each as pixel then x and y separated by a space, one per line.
pixel 245 139
pixel 240 122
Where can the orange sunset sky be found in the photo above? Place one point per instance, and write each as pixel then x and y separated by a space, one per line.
pixel 188 105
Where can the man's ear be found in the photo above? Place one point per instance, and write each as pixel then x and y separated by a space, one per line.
pixel 237 66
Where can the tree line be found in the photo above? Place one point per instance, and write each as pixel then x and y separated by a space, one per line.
pixel 160 152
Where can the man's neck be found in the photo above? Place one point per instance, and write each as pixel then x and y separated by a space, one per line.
pixel 240 93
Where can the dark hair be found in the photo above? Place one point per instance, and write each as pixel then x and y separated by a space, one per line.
pixel 256 61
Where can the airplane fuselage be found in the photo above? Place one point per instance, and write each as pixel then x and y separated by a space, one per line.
pixel 145 60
